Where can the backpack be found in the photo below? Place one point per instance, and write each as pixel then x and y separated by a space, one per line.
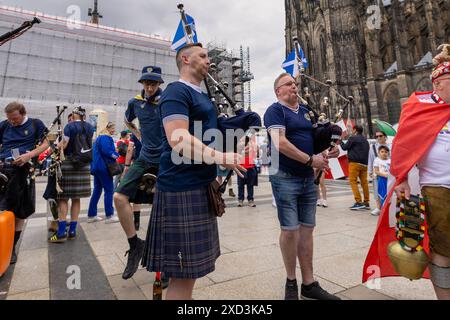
pixel 82 149
pixel 122 149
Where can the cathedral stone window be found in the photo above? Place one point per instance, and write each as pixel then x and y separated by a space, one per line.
pixel 392 103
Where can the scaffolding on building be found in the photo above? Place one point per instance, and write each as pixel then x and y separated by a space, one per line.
pixel 233 71
pixel 87 64
pixel 246 78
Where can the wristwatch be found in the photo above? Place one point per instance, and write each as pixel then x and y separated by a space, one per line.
pixel 309 162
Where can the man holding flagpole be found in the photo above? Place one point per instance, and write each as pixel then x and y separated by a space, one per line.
pixel 426 118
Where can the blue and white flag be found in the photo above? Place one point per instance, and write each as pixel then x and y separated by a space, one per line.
pixel 294 63
pixel 181 38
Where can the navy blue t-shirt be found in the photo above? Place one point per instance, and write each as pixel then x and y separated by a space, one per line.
pixel 72 129
pixel 22 137
pixel 299 131
pixel 180 101
pixel 148 113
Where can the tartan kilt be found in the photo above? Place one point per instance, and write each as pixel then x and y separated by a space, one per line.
pixel 19 194
pixel 182 237
pixel 75 182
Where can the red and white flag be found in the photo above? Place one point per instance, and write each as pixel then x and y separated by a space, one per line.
pixel 421 121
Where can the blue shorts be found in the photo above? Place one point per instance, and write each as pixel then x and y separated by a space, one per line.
pixel 296 200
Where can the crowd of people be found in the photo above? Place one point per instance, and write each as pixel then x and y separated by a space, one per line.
pixel 366 161
pixel 182 239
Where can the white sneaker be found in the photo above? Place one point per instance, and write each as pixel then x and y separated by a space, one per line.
pixel 375 212
pixel 94 219
pixel 319 202
pixel 324 204
pixel 112 219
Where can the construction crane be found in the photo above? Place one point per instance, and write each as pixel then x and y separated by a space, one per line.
pixel 94 13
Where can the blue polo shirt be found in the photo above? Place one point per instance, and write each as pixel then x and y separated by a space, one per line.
pixel 299 131
pixel 147 111
pixel 72 129
pixel 181 100
pixel 22 137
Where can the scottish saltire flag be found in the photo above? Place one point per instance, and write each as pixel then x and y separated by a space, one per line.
pixel 294 62
pixel 181 38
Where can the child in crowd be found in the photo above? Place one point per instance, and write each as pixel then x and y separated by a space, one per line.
pixel 381 168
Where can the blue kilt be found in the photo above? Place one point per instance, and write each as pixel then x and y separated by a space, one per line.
pixel 182 237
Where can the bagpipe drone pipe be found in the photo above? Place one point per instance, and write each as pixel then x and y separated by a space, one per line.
pixel 19 31
pixel 327 135
pixel 56 155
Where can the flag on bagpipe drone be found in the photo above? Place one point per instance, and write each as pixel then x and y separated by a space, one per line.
pixel 326 134
pixel 186 34
pixel 295 62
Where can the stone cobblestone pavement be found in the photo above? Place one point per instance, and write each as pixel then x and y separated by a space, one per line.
pixel 250 267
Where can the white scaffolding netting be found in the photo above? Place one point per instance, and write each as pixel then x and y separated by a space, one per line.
pixel 51 64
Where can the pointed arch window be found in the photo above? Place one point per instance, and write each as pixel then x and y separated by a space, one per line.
pixel 323 55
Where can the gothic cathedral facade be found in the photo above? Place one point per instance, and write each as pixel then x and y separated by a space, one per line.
pixel 377 51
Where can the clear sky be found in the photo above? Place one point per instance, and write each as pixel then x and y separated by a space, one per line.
pixel 254 23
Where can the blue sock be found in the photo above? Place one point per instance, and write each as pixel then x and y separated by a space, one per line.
pixel 61 228
pixel 73 227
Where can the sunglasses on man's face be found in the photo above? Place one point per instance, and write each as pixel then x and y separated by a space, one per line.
pixel 379 137
pixel 288 84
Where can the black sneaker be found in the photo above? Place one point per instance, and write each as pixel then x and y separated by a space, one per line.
pixel 315 292
pixel 291 290
pixel 137 221
pixel 366 206
pixel 72 235
pixel 164 280
pixel 13 257
pixel 134 257
pixel 357 206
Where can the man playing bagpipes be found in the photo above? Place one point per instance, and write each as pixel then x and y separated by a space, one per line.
pixel 182 238
pixel 294 143
pixel 19 136
pixel 425 119
pixel 145 108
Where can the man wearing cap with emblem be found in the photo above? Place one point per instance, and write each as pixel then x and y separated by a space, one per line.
pixel 145 108
pixel 434 168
